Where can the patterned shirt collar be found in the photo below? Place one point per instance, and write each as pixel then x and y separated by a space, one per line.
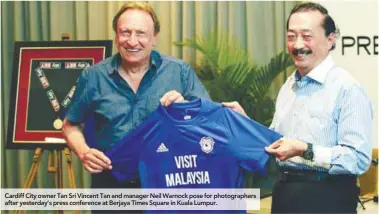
pixel 155 62
pixel 318 73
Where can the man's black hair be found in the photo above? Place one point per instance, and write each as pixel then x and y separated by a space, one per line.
pixel 328 22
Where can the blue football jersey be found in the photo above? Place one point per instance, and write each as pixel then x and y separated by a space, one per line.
pixel 197 144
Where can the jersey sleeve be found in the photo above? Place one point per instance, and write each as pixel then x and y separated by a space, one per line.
pixel 124 155
pixel 247 141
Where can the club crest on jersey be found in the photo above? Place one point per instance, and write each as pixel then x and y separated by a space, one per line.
pixel 206 144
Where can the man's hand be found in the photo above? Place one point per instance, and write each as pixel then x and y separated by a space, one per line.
pixel 94 161
pixel 235 106
pixel 171 97
pixel 284 149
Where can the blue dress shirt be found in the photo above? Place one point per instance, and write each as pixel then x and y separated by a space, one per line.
pixel 104 96
pixel 330 110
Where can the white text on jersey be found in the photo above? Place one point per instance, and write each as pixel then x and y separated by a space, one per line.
pixel 185 161
pixel 182 178
pixel 186 178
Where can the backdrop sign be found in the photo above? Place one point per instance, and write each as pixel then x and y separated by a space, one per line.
pixel 357 47
pixel 43 83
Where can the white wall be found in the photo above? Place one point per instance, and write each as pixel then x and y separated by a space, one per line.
pixel 358 18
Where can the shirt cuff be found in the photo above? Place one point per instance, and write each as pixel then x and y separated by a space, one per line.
pixel 322 156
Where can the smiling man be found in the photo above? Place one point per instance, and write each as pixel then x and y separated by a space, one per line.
pixel 119 92
pixel 326 119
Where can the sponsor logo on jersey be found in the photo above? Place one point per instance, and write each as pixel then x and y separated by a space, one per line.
pixel 162 148
pixel 206 144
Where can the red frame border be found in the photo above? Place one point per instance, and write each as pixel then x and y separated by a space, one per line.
pixel 25 52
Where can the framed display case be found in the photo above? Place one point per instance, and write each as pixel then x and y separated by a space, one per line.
pixel 43 82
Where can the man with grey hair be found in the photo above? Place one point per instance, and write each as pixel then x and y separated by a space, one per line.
pixel 122 90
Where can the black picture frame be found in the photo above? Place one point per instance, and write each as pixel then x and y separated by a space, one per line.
pixel 40 68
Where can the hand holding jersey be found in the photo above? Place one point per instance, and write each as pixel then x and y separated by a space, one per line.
pixel 184 145
pixel 95 161
pixel 284 148
pixel 235 106
pixel 171 97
